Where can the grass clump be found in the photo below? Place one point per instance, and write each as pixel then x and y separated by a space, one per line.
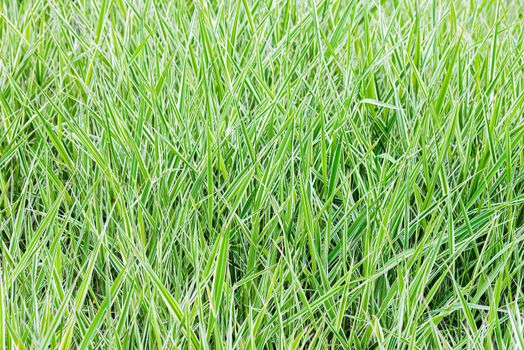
pixel 261 174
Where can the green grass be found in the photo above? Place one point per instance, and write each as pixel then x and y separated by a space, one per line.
pixel 278 174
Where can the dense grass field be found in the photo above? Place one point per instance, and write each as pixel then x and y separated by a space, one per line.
pixel 248 174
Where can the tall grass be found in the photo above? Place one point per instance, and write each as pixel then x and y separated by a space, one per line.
pixel 277 174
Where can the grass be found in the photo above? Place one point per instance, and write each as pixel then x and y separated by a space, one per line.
pixel 261 174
